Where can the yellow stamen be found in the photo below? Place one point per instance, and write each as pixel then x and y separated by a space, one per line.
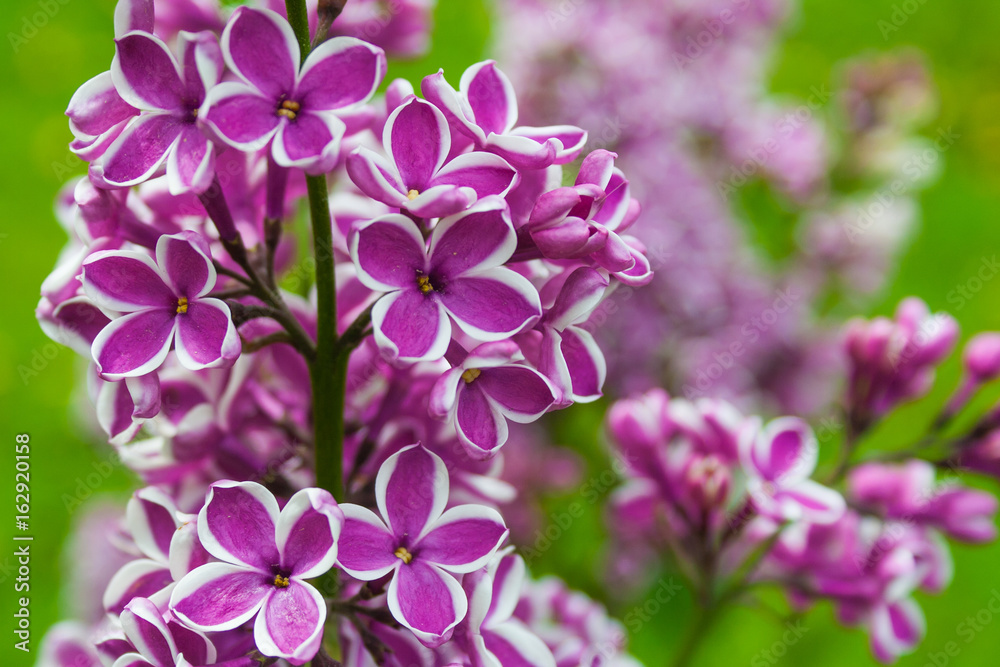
pixel 402 554
pixel 182 305
pixel 412 194
pixel 424 283
pixel 291 105
pixel 470 374
pixel 287 113
pixel 280 581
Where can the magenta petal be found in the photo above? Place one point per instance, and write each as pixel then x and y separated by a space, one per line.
pixel 340 72
pixel 585 362
pixel 486 173
pixel 440 201
pixel 140 578
pixel 491 97
pixel 140 149
pixel 389 253
pixel 206 335
pixel 479 424
pixel 418 140
pixel 196 647
pixel 521 392
pixel 133 15
pixel 290 625
pixel 463 539
pixel 411 490
pixel 516 646
pixel 482 237
pixel 492 304
pixel 96 107
pixel 150 519
pixel 260 46
pixel 307 532
pixel 186 260
pixel 145 73
pixel 135 344
pixel 125 281
pixel 411 326
pixel 365 548
pixel 572 139
pixel 190 164
pixel 242 117
pixel 376 177
pixel 219 596
pixel 426 600
pixel 144 627
pixel 238 523
pixel 310 142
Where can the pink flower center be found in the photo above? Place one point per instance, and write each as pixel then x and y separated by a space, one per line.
pixel 182 305
pixel 402 554
pixel 289 109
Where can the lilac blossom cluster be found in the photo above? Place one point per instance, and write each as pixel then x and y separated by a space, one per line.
pixel 323 472
pixel 700 134
pixel 736 502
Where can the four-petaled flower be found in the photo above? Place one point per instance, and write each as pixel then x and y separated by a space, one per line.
pixel 165 303
pixel 418 176
pixel 459 274
pixel 266 557
pixel 419 543
pixel 275 100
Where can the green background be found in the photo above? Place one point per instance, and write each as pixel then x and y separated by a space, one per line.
pixel 65 43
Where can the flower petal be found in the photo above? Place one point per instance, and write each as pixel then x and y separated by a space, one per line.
pixel 480 238
pixel 522 393
pixel 365 548
pixel 411 491
pixel 290 625
pixel 140 149
pixel 145 72
pixel 260 46
pixel 241 116
pixel 417 139
pixel 480 424
pixel 135 344
pixel 186 260
pixel 491 97
pixel 206 335
pixel 238 522
pixel 339 73
pixel 219 596
pixel 388 253
pixel 463 539
pixel 311 142
pixel 493 304
pixel 411 326
pixel 486 173
pixel 514 645
pixel 143 625
pixel 307 532
pixel 571 139
pixel 96 107
pixel 141 578
pixel 427 600
pixel 585 363
pixel 376 177
pixel 151 521
pixel 125 281
pixel 190 164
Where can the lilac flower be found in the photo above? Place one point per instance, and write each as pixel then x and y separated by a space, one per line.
pixel 484 391
pixel 779 458
pixel 496 638
pixel 97 116
pixel 276 101
pixel 908 492
pixel 160 643
pixel 418 176
pixel 170 93
pixel 981 357
pixel 418 543
pixel 485 111
pixel 66 644
pixel 164 303
pixel 459 274
pixel 266 557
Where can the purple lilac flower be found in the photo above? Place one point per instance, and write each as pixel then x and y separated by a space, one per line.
pixel 457 274
pixel 420 544
pixel 276 102
pixel 266 556
pixel 161 643
pixel 418 175
pixel 164 303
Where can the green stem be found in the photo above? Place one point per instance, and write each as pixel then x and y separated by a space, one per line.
pixel 328 369
pixel 704 618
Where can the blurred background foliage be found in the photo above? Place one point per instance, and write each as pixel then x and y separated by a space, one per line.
pixel 52 46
